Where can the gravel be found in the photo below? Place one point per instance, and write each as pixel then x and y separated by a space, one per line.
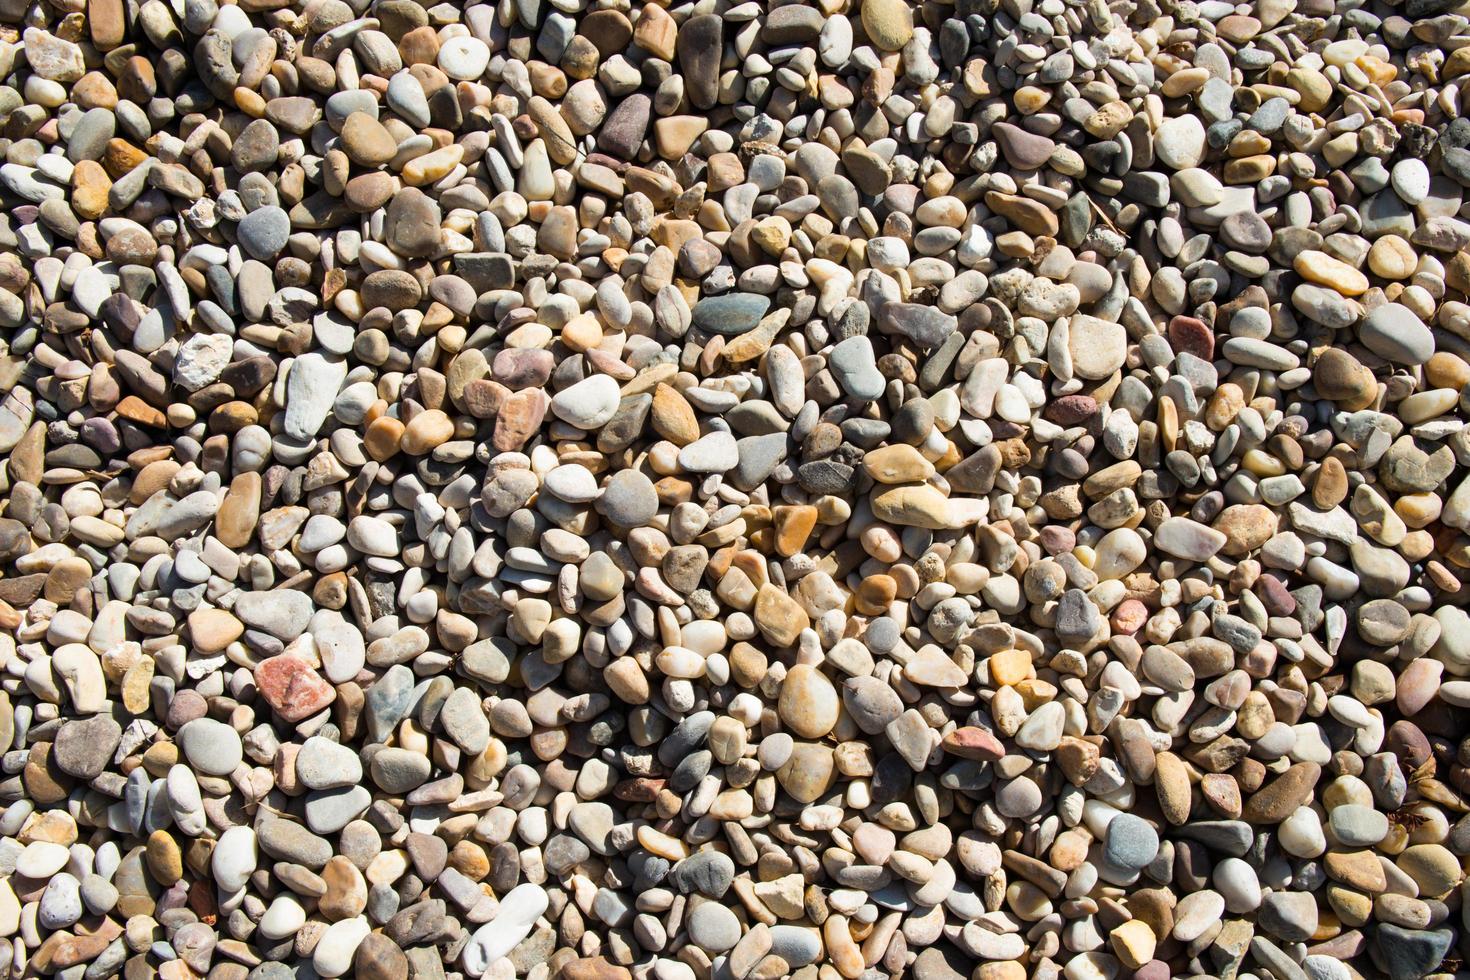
pixel 737 490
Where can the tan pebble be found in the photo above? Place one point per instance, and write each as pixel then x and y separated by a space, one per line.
pixel 582 332
pixel 875 594
pixel 1392 258
pixel 1133 942
pixel 1358 870
pixel 1446 370
pixel 808 704
pixel 1331 485
pixel 1433 867
pixel 383 438
pixel 425 431
pixel 165 860
pixel 888 23
pixel 214 629
pixel 1353 908
pixel 1172 784
pixel 912 505
pixel 778 616
pixel 841 948
pixel 673 417
pixel 1185 81
pixel 793 525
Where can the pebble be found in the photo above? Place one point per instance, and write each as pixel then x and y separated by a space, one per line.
pixel 210 746
pixel 518 912
pixel 1396 333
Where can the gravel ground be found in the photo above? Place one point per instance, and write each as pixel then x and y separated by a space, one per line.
pixel 596 490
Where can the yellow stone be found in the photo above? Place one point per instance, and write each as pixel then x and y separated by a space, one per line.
pixel 582 332
pixel 656 32
pixel 662 844
pixel 1185 81
pixel 808 705
pixel 772 234
pixel 426 430
pixel 51 826
pixel 1134 943
pixel 1109 120
pixel 1457 64
pixel 1031 99
pixel 673 417
pixel 1224 405
pixel 1434 868
pixel 1315 88
pixel 842 950
pixel 674 135
pixel 808 773
pixel 1323 269
pixel 1380 72
pixel 899 463
pixel 135 684
pixel 250 102
pixel 1248 170
pixel 1351 907
pixel 10 909
pixel 1001 970
pixel 778 616
pixel 1009 667
pixel 432 166
pixel 1446 370
pixel 794 524
pixel 165 861
pixel 784 896
pixel 755 342
pixel 1248 142
pixel 1418 509
pixel 888 23
pixel 912 505
pixel 1358 870
pixel 89 187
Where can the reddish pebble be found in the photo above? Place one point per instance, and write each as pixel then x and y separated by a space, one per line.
pixel 292 688
pixel 1188 335
pixel 1275 596
pixel 974 743
pixel 1129 616
pixel 518 368
pixel 1058 540
pixel 1152 970
pixel 1071 409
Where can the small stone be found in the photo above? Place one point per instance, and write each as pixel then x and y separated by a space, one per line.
pixel 1179 142
pixel 211 747
pixel 888 23
pixel 808 704
pixel 1394 332
pixel 713 927
pixel 1131 843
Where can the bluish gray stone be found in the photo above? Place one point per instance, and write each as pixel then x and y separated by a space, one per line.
pixel 387 701
pixel 926 326
pixel 263 232
pixel 708 872
pixel 1395 332
pixel 1131 842
pixel 855 368
pixel 1408 954
pixel 730 314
